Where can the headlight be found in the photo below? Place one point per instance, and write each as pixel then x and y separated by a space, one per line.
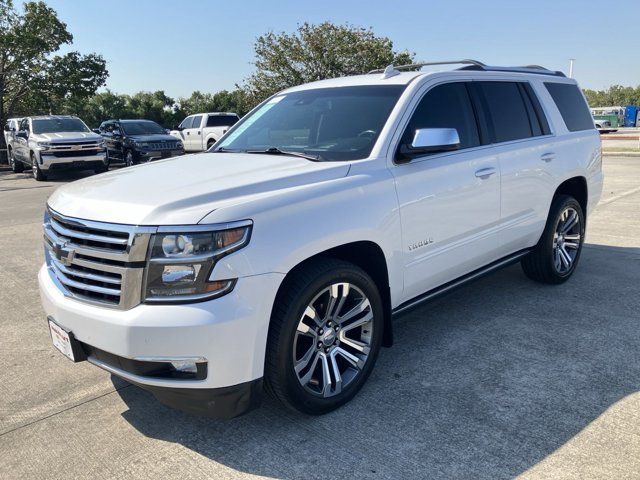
pixel 180 263
pixel 141 144
pixel 43 145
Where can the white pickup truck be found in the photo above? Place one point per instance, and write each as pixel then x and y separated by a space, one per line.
pixel 200 131
pixel 280 257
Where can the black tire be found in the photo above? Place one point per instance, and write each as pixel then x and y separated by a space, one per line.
pixel 297 293
pixel 35 169
pixel 16 166
pixel 129 158
pixel 540 264
pixel 210 144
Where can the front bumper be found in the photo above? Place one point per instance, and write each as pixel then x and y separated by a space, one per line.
pixel 229 332
pixel 52 162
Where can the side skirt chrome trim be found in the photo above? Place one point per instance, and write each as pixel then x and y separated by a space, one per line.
pixel 458 282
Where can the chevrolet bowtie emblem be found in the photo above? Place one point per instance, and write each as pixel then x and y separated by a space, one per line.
pixel 63 254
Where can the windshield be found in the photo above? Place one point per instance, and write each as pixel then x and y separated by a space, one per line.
pixel 54 125
pixel 144 127
pixel 333 123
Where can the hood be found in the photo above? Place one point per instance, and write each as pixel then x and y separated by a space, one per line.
pixel 155 137
pixel 65 136
pixel 183 190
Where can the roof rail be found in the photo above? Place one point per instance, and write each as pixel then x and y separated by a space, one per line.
pixel 411 66
pixel 474 65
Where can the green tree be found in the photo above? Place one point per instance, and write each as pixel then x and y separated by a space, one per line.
pixel 317 52
pixel 615 95
pixel 30 75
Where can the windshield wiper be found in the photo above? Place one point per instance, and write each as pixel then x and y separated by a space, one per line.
pixel 277 151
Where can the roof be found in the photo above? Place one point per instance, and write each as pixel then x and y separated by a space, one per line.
pixel 50 117
pixel 395 76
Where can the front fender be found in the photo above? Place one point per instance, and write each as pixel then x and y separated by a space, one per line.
pixel 293 225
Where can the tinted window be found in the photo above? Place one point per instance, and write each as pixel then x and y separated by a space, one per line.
pixel 572 106
pixel 186 123
pixel 507 112
pixel 197 120
pixel 221 120
pixel 446 106
pixel 143 127
pixel 341 123
pixel 537 108
pixel 53 125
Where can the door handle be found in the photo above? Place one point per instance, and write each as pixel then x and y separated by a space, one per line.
pixel 485 173
pixel 547 157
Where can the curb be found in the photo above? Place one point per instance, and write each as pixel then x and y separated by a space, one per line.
pixel 621 154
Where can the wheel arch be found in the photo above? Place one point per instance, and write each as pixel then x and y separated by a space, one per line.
pixel 577 188
pixel 368 256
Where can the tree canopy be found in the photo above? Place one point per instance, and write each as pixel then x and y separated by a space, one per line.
pixel 32 78
pixel 615 95
pixel 317 52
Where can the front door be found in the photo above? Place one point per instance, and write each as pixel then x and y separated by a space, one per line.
pixel 449 201
pixel 193 135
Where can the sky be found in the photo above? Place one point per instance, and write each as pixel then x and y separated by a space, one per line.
pixel 187 45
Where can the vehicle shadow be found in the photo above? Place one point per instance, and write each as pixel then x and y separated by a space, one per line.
pixel 483 383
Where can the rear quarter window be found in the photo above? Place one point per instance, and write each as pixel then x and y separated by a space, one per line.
pixel 571 105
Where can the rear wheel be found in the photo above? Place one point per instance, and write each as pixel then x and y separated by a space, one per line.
pixel 210 143
pixel 555 257
pixel 324 337
pixel 35 169
pixel 16 166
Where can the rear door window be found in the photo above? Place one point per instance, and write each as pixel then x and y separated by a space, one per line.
pixel 507 112
pixel 572 106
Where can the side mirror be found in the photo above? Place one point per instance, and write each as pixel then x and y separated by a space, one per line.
pixel 179 128
pixel 430 140
pixel 8 128
pixel 96 130
pixel 167 131
pixel 22 134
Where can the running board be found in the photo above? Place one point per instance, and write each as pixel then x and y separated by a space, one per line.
pixel 458 282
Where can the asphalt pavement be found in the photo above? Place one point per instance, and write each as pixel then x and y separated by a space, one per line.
pixel 502 378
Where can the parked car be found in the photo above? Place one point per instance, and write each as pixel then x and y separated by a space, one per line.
pixel 280 258
pixel 604 126
pixel 200 131
pixel 10 129
pixel 136 141
pixel 55 142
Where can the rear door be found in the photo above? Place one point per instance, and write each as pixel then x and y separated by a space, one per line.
pixel 522 140
pixel 449 201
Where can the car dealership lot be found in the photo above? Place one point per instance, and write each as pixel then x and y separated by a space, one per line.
pixel 504 377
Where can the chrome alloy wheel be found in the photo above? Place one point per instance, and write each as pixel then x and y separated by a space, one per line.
pixel 566 240
pixel 333 339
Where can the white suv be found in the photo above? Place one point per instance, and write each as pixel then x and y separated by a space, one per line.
pixel 281 257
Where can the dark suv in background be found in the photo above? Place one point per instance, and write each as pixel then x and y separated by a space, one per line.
pixel 136 141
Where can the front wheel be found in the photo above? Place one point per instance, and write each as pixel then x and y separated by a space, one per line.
pixel 129 159
pixel 35 169
pixel 555 257
pixel 324 337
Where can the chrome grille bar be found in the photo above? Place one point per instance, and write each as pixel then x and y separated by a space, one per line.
pixel 96 262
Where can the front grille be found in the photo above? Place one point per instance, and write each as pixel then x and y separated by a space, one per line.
pixel 163 145
pixel 96 262
pixel 73 153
